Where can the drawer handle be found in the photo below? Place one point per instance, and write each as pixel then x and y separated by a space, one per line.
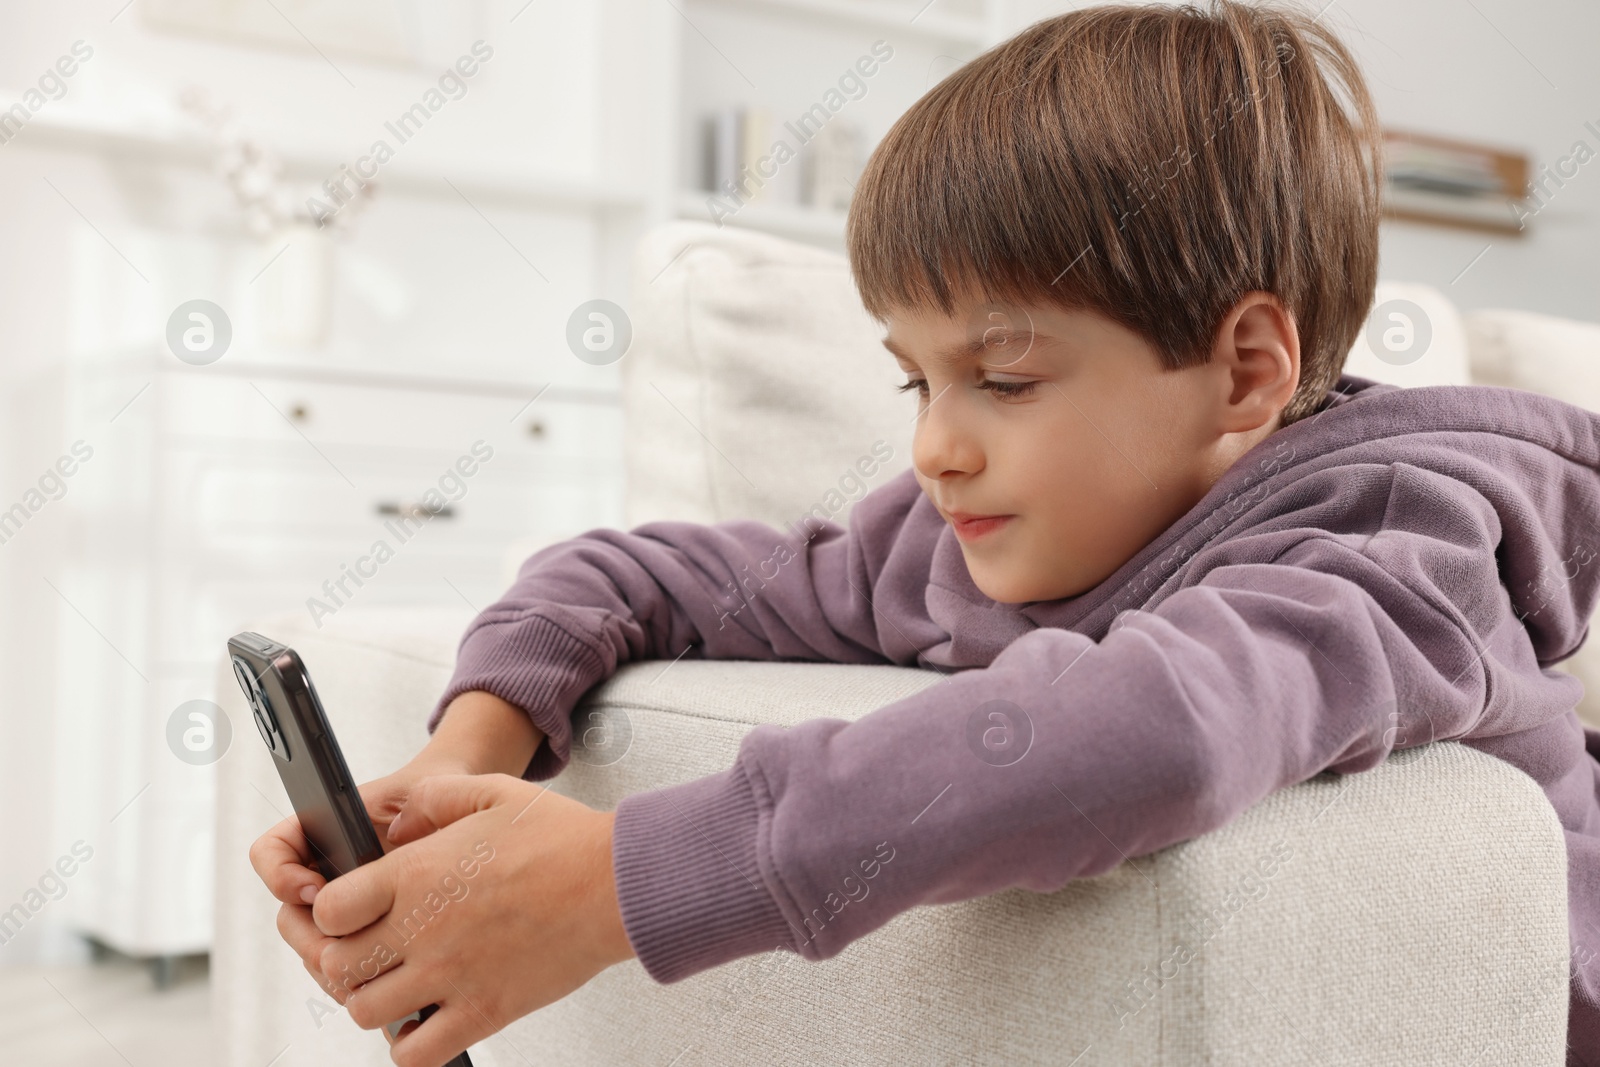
pixel 415 511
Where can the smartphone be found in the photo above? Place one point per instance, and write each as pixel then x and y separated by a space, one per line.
pixel 290 718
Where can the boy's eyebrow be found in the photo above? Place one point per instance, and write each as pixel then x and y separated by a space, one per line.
pixel 995 336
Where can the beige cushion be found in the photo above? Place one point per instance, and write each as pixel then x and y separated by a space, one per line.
pixel 1418 914
pixel 756 383
pixel 1542 353
pixel 1426 343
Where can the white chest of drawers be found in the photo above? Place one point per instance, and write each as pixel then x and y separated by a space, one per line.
pixel 220 494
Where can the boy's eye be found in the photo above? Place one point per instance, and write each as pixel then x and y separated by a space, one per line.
pixel 996 387
pixel 1007 388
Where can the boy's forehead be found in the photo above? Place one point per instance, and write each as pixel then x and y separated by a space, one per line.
pixel 956 338
pixel 967 348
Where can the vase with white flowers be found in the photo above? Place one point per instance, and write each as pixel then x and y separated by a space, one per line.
pixel 295 288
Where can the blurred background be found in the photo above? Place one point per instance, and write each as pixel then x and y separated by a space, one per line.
pixel 275 274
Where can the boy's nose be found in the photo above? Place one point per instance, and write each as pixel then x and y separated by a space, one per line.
pixel 943 443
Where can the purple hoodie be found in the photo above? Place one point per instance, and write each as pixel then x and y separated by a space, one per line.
pixel 1403 566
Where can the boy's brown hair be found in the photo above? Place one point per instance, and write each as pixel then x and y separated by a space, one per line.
pixel 1150 163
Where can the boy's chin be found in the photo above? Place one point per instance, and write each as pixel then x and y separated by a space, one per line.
pixel 1021 584
pixel 1006 588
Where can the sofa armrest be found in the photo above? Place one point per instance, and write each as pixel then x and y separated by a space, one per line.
pixel 1413 913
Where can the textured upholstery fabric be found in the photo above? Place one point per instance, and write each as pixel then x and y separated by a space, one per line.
pixel 755 379
pixel 1542 353
pixel 1318 920
pixel 1444 358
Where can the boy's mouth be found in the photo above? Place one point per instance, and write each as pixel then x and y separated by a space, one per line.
pixel 970 527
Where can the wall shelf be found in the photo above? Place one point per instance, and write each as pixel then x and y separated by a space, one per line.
pixel 799 47
pixel 883 15
pixel 174 142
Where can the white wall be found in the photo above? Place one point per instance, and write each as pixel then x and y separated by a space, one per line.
pixel 1519 74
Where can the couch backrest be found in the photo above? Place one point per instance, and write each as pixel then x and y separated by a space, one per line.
pixel 757 385
pixel 1541 353
pixel 1414 336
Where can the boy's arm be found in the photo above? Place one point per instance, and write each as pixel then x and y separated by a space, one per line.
pixel 731 590
pixel 482 734
pixel 1257 677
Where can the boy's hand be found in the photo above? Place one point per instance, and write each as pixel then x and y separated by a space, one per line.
pixel 479 734
pixel 503 901
pixel 282 858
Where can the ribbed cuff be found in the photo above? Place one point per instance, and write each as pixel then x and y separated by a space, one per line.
pixel 688 884
pixel 536 665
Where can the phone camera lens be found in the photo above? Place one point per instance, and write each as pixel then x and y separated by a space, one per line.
pixel 242 672
pixel 264 729
pixel 259 711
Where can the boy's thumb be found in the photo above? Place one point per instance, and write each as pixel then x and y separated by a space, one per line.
pixel 437 802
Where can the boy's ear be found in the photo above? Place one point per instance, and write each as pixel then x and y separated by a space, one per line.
pixel 1256 358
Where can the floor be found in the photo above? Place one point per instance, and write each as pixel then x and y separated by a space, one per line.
pixel 107 1013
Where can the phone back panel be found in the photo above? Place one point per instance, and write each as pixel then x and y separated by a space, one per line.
pixel 291 720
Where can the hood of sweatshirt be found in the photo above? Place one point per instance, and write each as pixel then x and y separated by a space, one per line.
pixel 1531 460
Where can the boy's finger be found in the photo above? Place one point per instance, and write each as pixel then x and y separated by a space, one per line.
pixel 439 801
pixel 446 1033
pixel 301 934
pixel 390 996
pixel 382 802
pixel 280 858
pixel 356 899
pixel 362 956
pixel 340 995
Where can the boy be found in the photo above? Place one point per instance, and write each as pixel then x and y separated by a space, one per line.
pixel 1121 258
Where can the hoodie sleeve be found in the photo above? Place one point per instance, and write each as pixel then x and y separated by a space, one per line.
pixel 1065 757
pixel 738 589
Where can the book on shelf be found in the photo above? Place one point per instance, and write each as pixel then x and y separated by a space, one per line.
pixel 835 164
pixel 1456 183
pixel 748 157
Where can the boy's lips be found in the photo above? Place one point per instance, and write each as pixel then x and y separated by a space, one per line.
pixel 970 526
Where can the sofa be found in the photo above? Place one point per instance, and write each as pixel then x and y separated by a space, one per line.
pixel 1414 913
